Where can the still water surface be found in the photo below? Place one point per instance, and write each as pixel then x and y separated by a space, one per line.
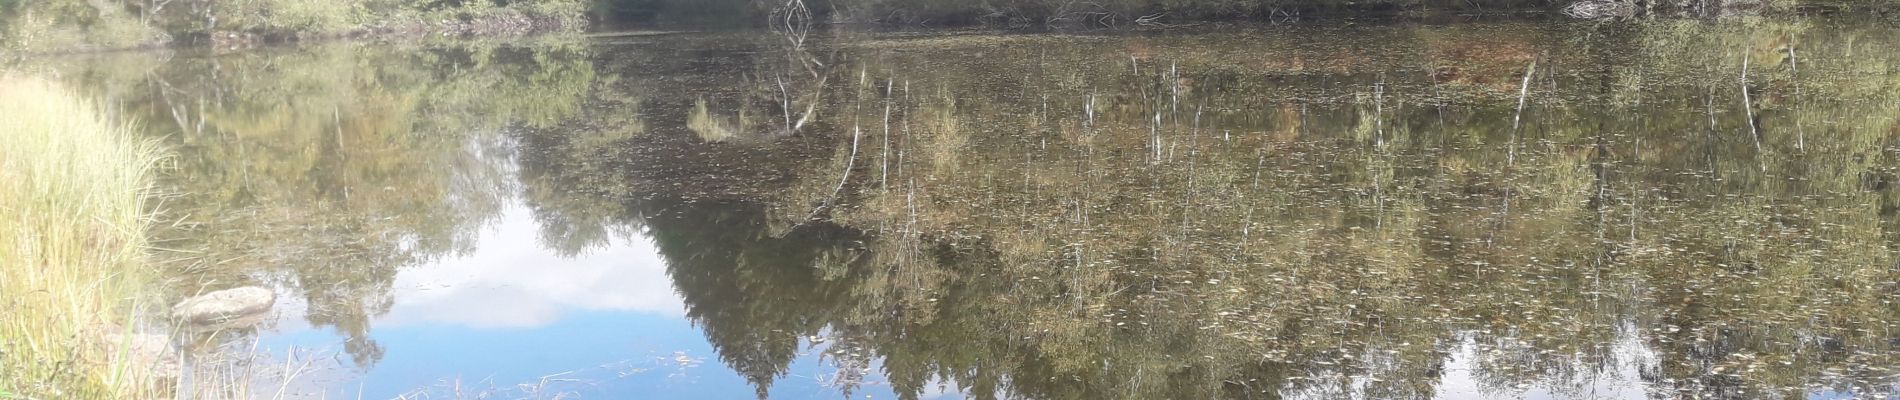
pixel 1487 209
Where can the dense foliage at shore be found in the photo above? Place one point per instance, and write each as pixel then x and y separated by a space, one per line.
pixel 76 25
pixel 960 12
pixel 1139 12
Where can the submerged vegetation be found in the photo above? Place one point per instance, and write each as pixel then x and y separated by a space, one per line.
pixel 73 184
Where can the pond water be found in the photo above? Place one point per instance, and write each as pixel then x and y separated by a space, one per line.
pixel 1348 209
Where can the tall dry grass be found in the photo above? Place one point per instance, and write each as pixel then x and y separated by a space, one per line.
pixel 72 250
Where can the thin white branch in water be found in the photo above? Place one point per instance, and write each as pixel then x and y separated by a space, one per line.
pixel 1749 105
pixel 785 102
pixel 885 180
pixel 1089 109
pixel 1794 66
pixel 1154 130
pixel 1378 113
pixel 1523 93
pixel 810 109
pixel 845 177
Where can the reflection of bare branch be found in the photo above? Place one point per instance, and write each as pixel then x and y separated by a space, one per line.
pixel 1067 12
pixel 846 176
pixel 179 116
pixel 157 7
pixel 1517 120
pixel 795 22
pixel 793 126
pixel 1062 13
pixel 884 181
pixel 1151 20
pixel 796 53
pixel 810 109
pixel 1749 106
pixel 785 101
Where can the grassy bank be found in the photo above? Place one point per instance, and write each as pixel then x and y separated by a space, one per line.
pixel 72 225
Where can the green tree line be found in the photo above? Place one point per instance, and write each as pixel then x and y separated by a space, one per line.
pixel 77 25
pixel 1131 12
pixel 74 25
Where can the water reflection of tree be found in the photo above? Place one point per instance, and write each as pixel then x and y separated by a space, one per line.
pixel 1048 222
pixel 328 169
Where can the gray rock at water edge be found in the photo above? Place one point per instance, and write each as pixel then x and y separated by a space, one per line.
pixel 229 308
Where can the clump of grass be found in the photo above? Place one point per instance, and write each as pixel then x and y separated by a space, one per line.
pixel 72 249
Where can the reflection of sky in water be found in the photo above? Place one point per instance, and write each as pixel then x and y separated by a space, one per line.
pixel 513 312
pixel 609 325
pixel 513 315
pixel 1622 382
pixel 511 281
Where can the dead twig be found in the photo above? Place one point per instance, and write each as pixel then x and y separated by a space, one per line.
pixel 1600 9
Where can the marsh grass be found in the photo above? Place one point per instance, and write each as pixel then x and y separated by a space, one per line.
pixel 72 249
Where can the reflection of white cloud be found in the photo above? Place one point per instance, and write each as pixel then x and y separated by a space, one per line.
pixel 511 281
pixel 944 389
pixel 1624 381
